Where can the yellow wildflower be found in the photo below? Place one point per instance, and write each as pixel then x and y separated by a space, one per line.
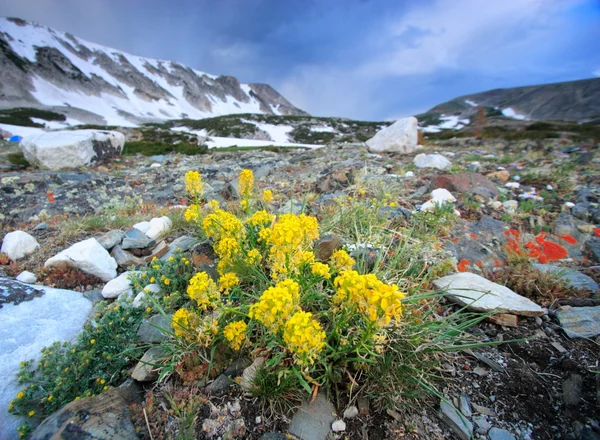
pixel 167 281
pixel 246 183
pixel 304 337
pixel 253 256
pixel 184 323
pixel 267 196
pixel 213 205
pixel 276 304
pixel 93 341
pixel 235 333
pixel 193 184
pixel 341 261
pixel 31 413
pixel 192 213
pixel 20 395
pixel 260 218
pixel 378 301
pixel 228 281
pixel 203 290
pixel 320 269
pixel 148 309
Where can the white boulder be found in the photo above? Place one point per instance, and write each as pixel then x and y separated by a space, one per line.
pixel 439 196
pixel 158 227
pixel 400 137
pixel 432 161
pixel 142 226
pixel 56 150
pixel 149 289
pixel 482 295
pixel 88 256
pixel 18 244
pixel 118 286
pixel 27 277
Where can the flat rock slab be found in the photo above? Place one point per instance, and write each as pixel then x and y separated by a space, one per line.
pixel 458 423
pixel 13 292
pixel 25 328
pixel 573 277
pixel 482 295
pixel 313 421
pixel 580 322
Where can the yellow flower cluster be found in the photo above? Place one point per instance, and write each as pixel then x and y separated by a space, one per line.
pixel 290 239
pixel 246 183
pixel 340 261
pixel 260 218
pixel 228 232
pixel 267 196
pixel 321 270
pixel 203 290
pixel 253 256
pixel 193 184
pixel 227 282
pixel 304 337
pixel 378 301
pixel 192 213
pixel 276 304
pixel 235 333
pixel 206 329
pixel 184 323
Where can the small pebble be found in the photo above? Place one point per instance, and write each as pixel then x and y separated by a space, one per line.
pixel 338 426
pixel 351 412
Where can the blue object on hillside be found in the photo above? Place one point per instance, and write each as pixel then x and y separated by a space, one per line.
pixel 16 138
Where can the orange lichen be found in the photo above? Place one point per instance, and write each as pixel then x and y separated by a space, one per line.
pixel 568 238
pixel 462 265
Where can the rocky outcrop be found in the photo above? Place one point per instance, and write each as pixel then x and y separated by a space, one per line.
pixel 400 137
pixel 105 416
pixel 71 149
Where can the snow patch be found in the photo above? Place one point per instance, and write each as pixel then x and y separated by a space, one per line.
pixel 510 113
pixel 224 142
pixel 323 129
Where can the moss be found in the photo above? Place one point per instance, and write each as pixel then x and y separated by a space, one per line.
pixel 18 159
pixel 22 116
pixel 148 148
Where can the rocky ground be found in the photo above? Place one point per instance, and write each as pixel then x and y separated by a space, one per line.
pixel 542 381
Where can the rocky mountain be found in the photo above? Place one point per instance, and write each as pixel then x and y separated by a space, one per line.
pixel 569 101
pixel 44 68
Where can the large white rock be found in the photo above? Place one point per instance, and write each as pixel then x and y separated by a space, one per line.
pixel 56 150
pixel 158 227
pixel 88 256
pixel 18 244
pixel 118 286
pixel 400 137
pixel 432 161
pixel 26 277
pixel 25 328
pixel 482 295
pixel 439 196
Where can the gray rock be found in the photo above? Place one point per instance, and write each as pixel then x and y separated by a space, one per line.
pixel 350 412
pixel 291 207
pixel 136 239
pixel 482 295
pixel 150 330
pixel 125 259
pixel 146 369
pixel 465 405
pixel 579 322
pixel 436 161
pixel 400 137
pixel 500 434
pixel 274 436
pixel 588 433
pixel 483 426
pixel 313 420
pixel 573 277
pixel 455 421
pixel 237 367
pixel 219 386
pixel 182 243
pixel 101 417
pixel 571 389
pixel 110 239
pixel 592 246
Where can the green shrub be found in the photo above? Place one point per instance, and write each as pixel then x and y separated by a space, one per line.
pixel 22 116
pixel 18 159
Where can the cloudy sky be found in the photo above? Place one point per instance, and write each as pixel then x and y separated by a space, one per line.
pixel 366 59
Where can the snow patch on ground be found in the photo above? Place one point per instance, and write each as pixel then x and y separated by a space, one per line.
pixel 448 123
pixel 58 315
pixel 510 113
pixel 277 133
pixel 17 130
pixel 224 142
pixel 471 103
pixel 323 129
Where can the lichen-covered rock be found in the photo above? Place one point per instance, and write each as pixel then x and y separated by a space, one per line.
pixel 71 149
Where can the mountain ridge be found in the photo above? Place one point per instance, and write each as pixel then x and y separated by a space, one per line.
pixel 41 67
pixel 577 100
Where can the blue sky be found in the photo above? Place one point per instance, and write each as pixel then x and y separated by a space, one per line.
pixel 366 59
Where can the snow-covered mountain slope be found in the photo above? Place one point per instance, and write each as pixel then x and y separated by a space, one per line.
pixel 45 68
